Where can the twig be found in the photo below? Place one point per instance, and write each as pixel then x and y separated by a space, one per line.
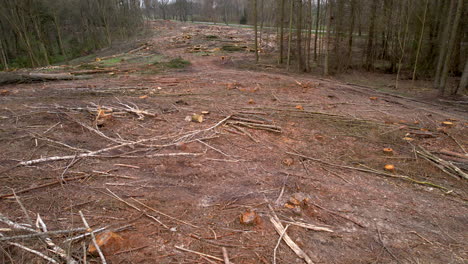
pixel 281 231
pixel 98 249
pixel 444 165
pixel 213 242
pixel 282 190
pixel 115 196
pixel 59 143
pixel 336 174
pixel 130 250
pixel 199 253
pixel 127 165
pixel 15 225
pixel 213 148
pixel 42 234
pixel 54 248
pixel 383 245
pixel 66 169
pixel 337 214
pixel 26 214
pixel 50 128
pixel 309 226
pixel 423 238
pixel 166 215
pixel 458 143
pixel 51 260
pixel 107 174
pixel 85 235
pixel 278 243
pixel 44 185
pixel 225 255
pixel 454 154
pixel 245 133
pixel 403 177
pixel 119 141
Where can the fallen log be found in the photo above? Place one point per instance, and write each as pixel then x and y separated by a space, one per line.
pixel 15 77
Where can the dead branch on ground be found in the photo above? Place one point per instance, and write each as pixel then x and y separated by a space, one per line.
pixel 446 166
pixel 369 170
pixel 12 77
pixel 282 232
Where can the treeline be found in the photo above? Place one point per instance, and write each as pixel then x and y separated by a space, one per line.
pixel 41 32
pixel 413 39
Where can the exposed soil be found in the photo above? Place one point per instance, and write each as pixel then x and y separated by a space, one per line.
pixel 207 179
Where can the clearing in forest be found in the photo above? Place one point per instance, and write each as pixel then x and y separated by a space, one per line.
pixel 184 149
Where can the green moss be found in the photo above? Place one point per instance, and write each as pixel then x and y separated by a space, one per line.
pixel 232 48
pixel 110 62
pixel 177 63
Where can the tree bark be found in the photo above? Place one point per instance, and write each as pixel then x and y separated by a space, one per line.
pixel 316 29
pixel 4 58
pixel 370 37
pixel 326 67
pixel 463 86
pixel 444 37
pixel 290 33
pixel 255 29
pixel 443 89
pixel 299 36
pixel 281 26
pixel 350 34
pixel 420 42
pixel 13 77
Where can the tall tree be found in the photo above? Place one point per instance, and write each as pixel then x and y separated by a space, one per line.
pixel 443 39
pixel 281 28
pixel 301 64
pixel 349 58
pixel 317 16
pixel 463 86
pixel 326 66
pixel 370 37
pixel 442 86
pixel 423 24
pixel 256 29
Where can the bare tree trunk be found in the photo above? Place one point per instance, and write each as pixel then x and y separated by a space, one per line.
pixel 420 42
pixel 290 33
pixel 350 34
pixel 309 36
pixel 255 29
pixel 370 38
pixel 463 86
pixel 326 67
pixel 4 58
pixel 316 29
pixel 402 44
pixel 261 21
pixel 299 36
pixel 443 89
pixel 59 35
pixel 281 25
pixel 442 44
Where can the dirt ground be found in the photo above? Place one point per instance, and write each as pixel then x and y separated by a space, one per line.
pixel 309 147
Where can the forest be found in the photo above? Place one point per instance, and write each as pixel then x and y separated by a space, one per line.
pixel 417 39
pixel 233 131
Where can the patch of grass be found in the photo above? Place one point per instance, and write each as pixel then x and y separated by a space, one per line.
pixel 110 62
pixel 144 59
pixel 177 63
pixel 232 48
